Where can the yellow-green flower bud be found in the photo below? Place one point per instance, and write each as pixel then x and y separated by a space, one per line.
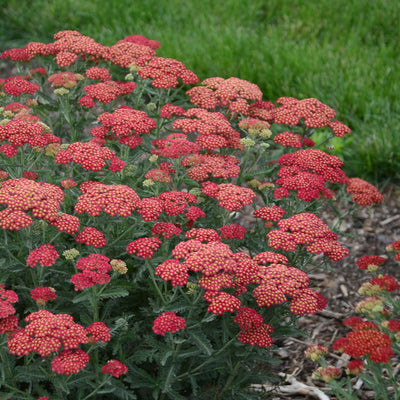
pixel 70 254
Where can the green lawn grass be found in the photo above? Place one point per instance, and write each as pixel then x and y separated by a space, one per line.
pixel 345 53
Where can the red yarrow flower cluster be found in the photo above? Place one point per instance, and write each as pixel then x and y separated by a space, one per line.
pixel 253 330
pixel 309 230
pixel 173 271
pixel 165 72
pixel 144 247
pixel 363 193
pixel 307 172
pixel 165 230
pixel 7 297
pixel 106 92
pixel 168 322
pixel 366 341
pixel 233 232
pixel 98 331
pixel 46 333
pixel 233 93
pixel 91 236
pixel 16 86
pixel 45 255
pixel 19 132
pixel 367 262
pixel 114 368
pixel 201 167
pixel 42 294
pixel 228 195
pixel 98 73
pixel 66 79
pixel 95 268
pixel 91 156
pixel 214 129
pixel 174 146
pixel 98 197
pixel 125 123
pixel 70 362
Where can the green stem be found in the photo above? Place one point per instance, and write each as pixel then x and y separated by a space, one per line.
pixel 152 276
pixel 122 235
pixel 98 388
pixel 208 360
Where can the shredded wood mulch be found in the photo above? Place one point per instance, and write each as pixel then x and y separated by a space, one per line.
pixel 368 233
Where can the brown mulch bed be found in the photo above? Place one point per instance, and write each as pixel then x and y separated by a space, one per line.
pixel 367 233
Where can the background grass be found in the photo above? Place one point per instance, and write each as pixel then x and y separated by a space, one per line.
pixel 346 53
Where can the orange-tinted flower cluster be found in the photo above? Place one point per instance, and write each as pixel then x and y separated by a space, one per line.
pixel 214 129
pixel 168 322
pixel 165 72
pixel 366 340
pixel 204 166
pixel 21 195
pixel 45 333
pixel 307 172
pixel 105 92
pixel 233 93
pixel 45 255
pixel 16 86
pixel 174 145
pixel 94 269
pixel 363 193
pixel 91 156
pixel 42 294
pixel 91 236
pixel 125 123
pixel 114 368
pixel 309 230
pixel 112 199
pixel 229 196
pixel 144 247
pixel 253 330
pixel 18 132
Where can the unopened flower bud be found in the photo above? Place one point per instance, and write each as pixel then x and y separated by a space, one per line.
pixel 148 182
pixel 315 352
pixel 151 107
pixel 119 266
pixel 153 158
pixel 70 254
pixel 61 91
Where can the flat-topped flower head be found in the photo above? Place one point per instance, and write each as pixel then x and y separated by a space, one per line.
pixel 91 237
pixel 363 193
pixel 173 271
pixel 165 72
pixel 70 362
pixel 175 202
pixel 115 368
pixel 174 146
pixel 201 167
pixel 168 322
pixel 228 195
pixel 326 374
pixel 18 132
pixel 45 255
pixel 144 247
pixel 214 129
pixel 42 294
pixel 111 199
pixel 98 331
pixel 371 263
pixel 233 232
pixel 16 86
pixel 221 302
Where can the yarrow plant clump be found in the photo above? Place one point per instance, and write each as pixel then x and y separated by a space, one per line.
pixel 158 230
